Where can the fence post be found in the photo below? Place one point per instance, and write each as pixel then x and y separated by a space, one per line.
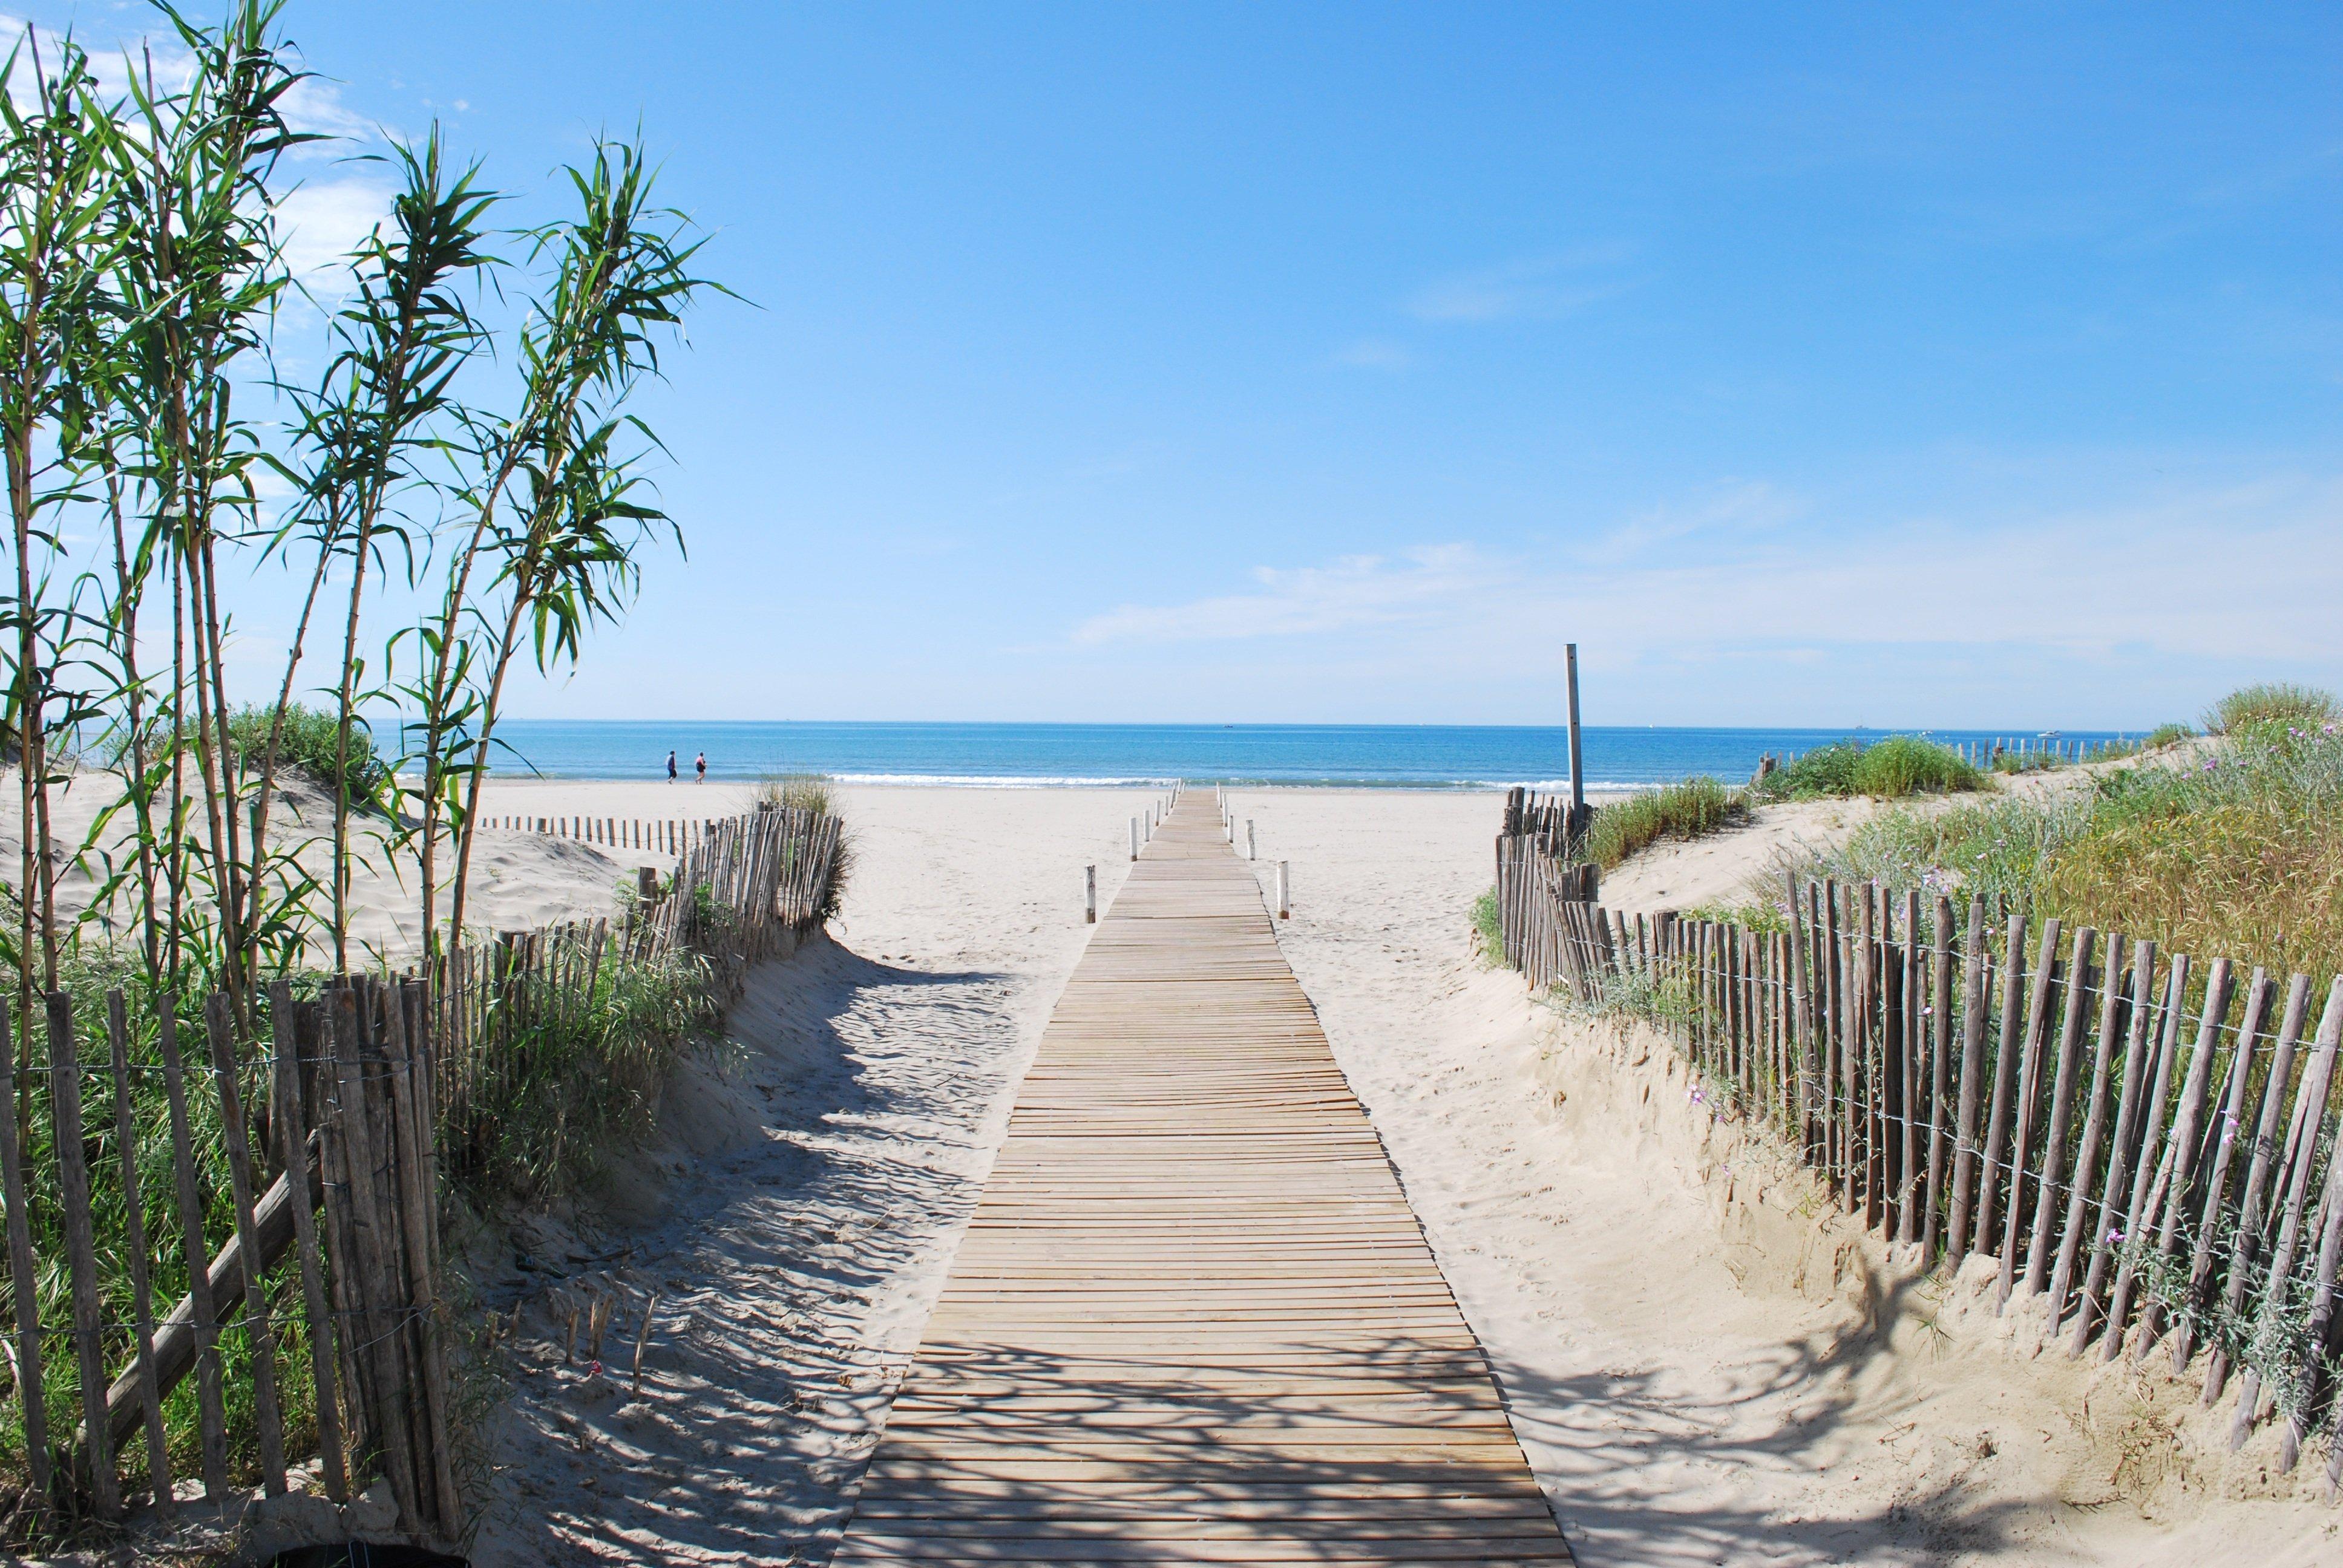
pixel 1577 824
pixel 1284 902
pixel 1090 895
pixel 1253 851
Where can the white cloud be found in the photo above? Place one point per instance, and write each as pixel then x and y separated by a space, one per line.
pixel 1375 354
pixel 2251 571
pixel 1351 592
pixel 1539 288
pixel 1734 507
pixel 312 106
pixel 322 221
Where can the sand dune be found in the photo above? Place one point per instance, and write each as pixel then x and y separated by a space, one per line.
pixel 1700 1368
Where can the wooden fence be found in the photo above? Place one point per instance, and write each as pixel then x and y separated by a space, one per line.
pixel 246 1236
pixel 335 1116
pixel 665 836
pixel 745 889
pixel 2140 1141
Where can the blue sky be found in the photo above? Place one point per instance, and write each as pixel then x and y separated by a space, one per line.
pixel 1822 366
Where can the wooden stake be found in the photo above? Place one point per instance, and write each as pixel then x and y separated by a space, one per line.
pixel 30 1391
pixel 2030 1087
pixel 2062 1110
pixel 81 1253
pixel 2087 1154
pixel 1964 1125
pixel 210 1414
pixel 642 1338
pixel 259 1331
pixel 141 1292
pixel 2127 1151
pixel 1940 1052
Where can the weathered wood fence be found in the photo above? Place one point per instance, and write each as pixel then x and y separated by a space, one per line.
pixel 335 1116
pixel 741 892
pixel 666 836
pixel 2142 1142
pixel 245 1236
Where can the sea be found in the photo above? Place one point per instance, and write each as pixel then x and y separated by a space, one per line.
pixel 1044 756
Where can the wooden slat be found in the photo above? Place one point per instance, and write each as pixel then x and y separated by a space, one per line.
pixel 1193 1318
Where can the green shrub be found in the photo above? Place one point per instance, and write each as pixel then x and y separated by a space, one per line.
pixel 1691 810
pixel 310 742
pixel 1489 929
pixel 2238 854
pixel 2273 705
pixel 585 1072
pixel 813 792
pixel 1905 765
pixel 2164 735
pixel 1823 773
pixel 1892 768
pixel 795 791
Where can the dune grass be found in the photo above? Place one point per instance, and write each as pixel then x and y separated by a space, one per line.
pixel 1889 769
pixel 2238 854
pixel 310 741
pixel 1489 929
pixel 587 1074
pixel 2273 705
pixel 817 793
pixel 1691 810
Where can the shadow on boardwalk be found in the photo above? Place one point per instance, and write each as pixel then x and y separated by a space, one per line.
pixel 794 1221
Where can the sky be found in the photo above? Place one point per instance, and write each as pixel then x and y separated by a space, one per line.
pixel 1820 367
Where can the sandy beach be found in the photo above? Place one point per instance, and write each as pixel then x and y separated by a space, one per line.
pixel 1701 1361
pixel 1699 1368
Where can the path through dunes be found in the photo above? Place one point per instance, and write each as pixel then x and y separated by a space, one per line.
pixel 1194 1319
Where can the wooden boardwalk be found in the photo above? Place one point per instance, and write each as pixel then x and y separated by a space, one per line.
pixel 1193 1320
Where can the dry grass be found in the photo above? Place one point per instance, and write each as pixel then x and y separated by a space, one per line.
pixel 2236 853
pixel 1691 810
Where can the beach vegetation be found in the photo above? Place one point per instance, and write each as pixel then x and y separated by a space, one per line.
pixel 1489 929
pixel 155 456
pixel 313 741
pixel 1693 809
pixel 1887 769
pixel 2235 851
pixel 2273 705
pixel 817 793
pixel 795 792
pixel 588 1069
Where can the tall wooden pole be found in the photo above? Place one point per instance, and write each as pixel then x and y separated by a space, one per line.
pixel 1577 761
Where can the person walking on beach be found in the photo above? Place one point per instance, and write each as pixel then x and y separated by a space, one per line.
pixel 700 766
pixel 670 766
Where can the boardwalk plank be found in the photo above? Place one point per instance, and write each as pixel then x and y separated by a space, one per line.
pixel 1194 1319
